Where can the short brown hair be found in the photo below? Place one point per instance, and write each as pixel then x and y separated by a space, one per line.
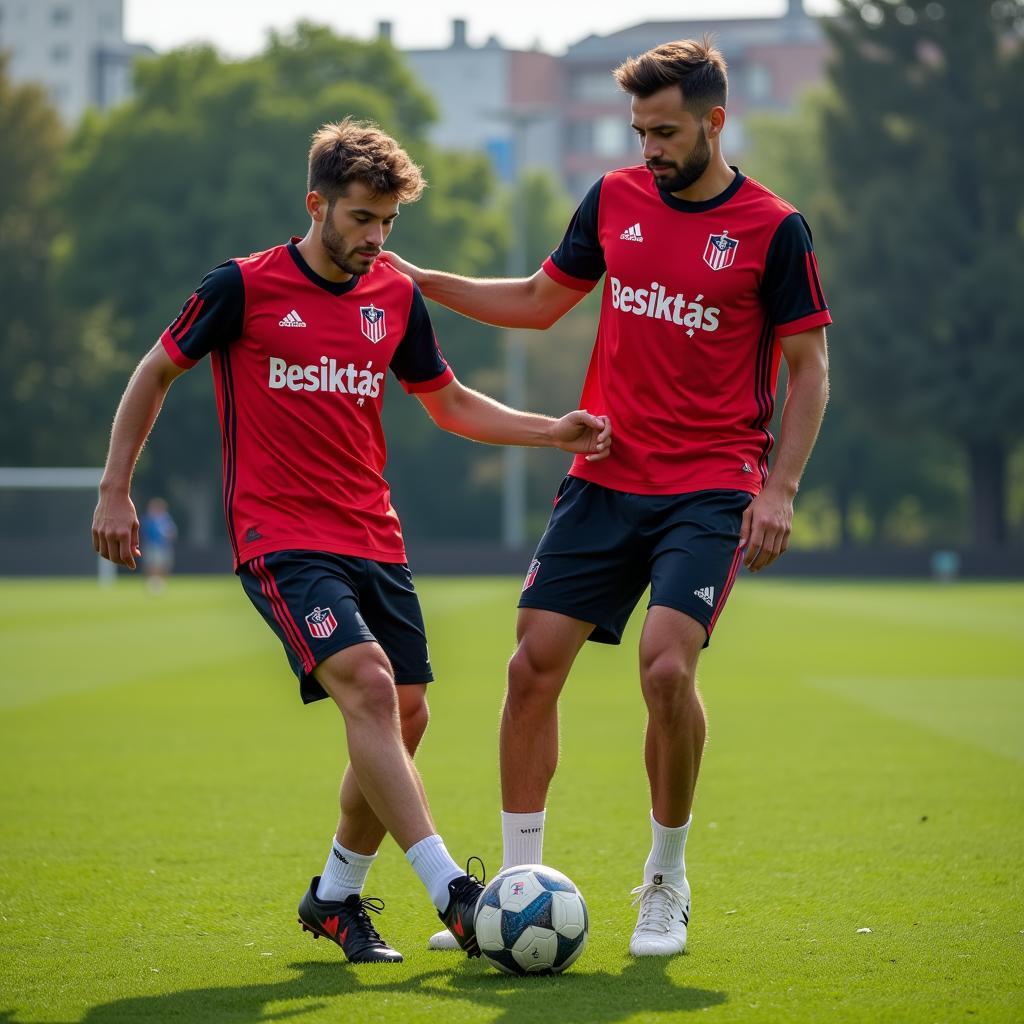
pixel 350 150
pixel 698 68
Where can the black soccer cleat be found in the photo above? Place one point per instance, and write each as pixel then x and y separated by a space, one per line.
pixel 347 923
pixel 459 916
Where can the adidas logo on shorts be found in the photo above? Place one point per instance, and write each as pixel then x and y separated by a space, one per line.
pixel 707 595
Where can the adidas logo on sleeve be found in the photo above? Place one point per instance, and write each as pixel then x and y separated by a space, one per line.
pixel 632 233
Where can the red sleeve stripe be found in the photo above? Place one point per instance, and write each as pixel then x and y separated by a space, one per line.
pixel 186 318
pixel 805 323
pixel 177 356
pixel 814 281
pixel 185 310
pixel 578 284
pixel 424 386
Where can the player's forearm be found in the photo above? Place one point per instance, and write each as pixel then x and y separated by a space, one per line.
pixel 136 413
pixel 480 418
pixel 502 302
pixel 806 397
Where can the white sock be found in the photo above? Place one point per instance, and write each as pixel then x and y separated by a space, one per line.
pixel 668 853
pixel 344 874
pixel 522 838
pixel 433 863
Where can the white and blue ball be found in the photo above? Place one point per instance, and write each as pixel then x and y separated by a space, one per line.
pixel 531 919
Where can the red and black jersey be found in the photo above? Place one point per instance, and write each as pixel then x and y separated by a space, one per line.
pixel 696 298
pixel 299 365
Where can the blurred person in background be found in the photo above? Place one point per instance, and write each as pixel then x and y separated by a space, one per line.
pixel 157 534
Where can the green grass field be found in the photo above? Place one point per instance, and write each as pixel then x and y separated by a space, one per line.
pixel 166 799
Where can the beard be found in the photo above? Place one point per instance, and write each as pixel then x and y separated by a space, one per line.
pixel 695 164
pixel 341 256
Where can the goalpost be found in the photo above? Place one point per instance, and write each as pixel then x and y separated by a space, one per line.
pixel 59 478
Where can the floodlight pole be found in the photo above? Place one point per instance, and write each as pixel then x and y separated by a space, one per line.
pixel 513 517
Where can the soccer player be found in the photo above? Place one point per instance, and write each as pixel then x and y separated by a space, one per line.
pixel 710 279
pixel 301 337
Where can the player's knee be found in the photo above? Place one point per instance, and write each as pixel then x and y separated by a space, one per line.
pixel 532 678
pixel 365 688
pixel 374 698
pixel 669 685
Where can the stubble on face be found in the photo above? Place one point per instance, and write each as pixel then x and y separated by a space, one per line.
pixel 686 173
pixel 344 258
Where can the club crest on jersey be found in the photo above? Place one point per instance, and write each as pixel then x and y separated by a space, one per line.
pixel 720 251
pixel 373 322
pixel 321 622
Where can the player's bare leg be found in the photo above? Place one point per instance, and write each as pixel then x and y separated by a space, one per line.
pixel 547 646
pixel 360 682
pixel 670 645
pixel 360 833
pixel 359 829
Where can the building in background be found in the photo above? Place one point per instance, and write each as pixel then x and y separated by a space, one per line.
pixel 74 48
pixel 488 96
pixel 574 118
pixel 566 111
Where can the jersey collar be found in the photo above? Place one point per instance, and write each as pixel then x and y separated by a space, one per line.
pixel 334 287
pixel 686 206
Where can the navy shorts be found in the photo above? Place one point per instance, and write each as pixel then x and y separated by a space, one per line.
pixel 318 603
pixel 602 548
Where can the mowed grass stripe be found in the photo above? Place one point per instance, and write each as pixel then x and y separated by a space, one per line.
pixel 984 712
pixel 158 832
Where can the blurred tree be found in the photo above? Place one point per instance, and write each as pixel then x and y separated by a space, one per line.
pixel 30 145
pixel 207 162
pixel 556 358
pixel 52 373
pixel 867 471
pixel 926 151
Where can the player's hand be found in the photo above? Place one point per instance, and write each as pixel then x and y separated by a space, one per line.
pixel 767 523
pixel 115 529
pixel 404 266
pixel 583 434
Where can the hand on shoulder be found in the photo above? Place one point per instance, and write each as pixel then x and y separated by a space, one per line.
pixel 403 266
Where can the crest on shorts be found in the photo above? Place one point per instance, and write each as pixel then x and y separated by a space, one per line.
pixel 373 322
pixel 531 575
pixel 720 251
pixel 321 622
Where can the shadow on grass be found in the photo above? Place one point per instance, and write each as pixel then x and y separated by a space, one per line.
pixel 574 998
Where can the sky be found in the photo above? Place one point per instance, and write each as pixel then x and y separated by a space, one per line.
pixel 238 27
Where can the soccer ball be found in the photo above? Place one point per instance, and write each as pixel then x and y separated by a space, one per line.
pixel 531 919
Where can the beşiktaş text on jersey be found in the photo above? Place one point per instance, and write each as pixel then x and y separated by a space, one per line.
pixel 299 365
pixel 696 298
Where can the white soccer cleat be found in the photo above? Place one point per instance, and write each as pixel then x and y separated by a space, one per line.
pixel 442 940
pixel 664 914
